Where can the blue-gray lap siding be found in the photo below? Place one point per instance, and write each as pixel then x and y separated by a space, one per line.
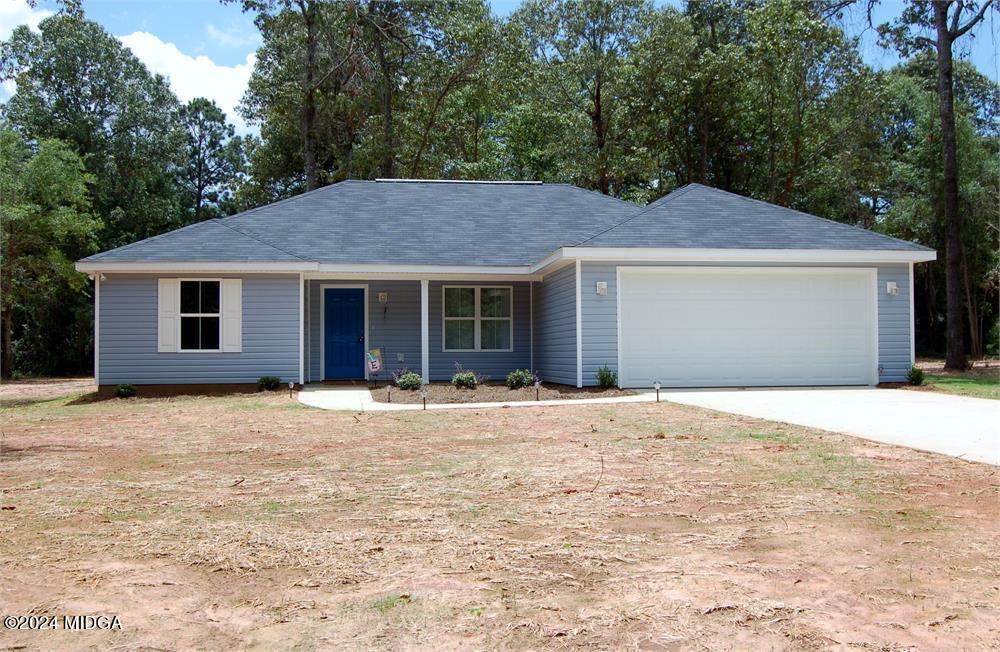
pixel 395 328
pixel 128 336
pixel 600 320
pixel 555 327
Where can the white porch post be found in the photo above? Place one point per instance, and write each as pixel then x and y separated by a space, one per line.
pixel 97 329
pixel 579 327
pixel 302 329
pixel 425 331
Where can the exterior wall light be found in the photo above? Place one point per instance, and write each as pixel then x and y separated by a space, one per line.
pixel 891 289
pixel 602 288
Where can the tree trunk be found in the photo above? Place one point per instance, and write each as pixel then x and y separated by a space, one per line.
pixel 7 310
pixel 601 138
pixel 955 358
pixel 975 340
pixel 388 137
pixel 307 115
pixel 8 354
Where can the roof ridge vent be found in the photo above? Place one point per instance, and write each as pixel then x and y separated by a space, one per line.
pixel 497 183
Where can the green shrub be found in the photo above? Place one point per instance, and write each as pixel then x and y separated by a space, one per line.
pixel 993 340
pixel 915 376
pixel 465 380
pixel 520 378
pixel 406 379
pixel 268 383
pixel 606 379
pixel 125 391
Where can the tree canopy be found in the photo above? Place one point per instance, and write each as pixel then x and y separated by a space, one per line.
pixel 767 99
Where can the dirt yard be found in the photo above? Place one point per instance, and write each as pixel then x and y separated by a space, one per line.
pixel 448 393
pixel 252 522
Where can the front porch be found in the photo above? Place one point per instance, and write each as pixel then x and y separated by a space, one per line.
pixel 489 326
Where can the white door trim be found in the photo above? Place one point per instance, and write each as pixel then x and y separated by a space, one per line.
pixel 322 323
pixel 872 273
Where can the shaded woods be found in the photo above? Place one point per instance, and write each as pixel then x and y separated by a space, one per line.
pixel 770 100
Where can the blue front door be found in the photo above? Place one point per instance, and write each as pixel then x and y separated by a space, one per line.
pixel 344 326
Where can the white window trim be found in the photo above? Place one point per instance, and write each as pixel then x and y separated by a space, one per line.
pixel 182 315
pixel 478 319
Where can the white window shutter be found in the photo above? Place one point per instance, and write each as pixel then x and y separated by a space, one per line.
pixel 168 315
pixel 232 315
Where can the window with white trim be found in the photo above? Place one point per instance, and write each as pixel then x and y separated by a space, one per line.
pixel 477 318
pixel 200 316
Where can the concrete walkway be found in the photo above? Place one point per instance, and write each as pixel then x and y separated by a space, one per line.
pixel 960 426
pixel 359 399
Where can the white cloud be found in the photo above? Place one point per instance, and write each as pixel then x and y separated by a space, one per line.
pixel 12 14
pixel 232 36
pixel 192 77
pixel 19 12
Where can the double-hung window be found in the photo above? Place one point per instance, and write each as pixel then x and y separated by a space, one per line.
pixel 200 315
pixel 478 318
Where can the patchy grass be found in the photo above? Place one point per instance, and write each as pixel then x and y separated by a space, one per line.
pixel 978 385
pixel 981 380
pixel 246 521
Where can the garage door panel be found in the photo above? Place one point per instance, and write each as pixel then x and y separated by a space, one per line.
pixel 742 327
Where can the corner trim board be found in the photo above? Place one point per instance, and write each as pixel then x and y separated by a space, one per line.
pixel 913 332
pixel 579 325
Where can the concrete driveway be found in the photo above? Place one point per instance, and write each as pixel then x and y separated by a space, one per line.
pixel 968 428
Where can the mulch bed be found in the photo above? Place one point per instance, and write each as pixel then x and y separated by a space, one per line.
pixel 447 393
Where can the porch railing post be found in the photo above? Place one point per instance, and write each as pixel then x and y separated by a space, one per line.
pixel 425 351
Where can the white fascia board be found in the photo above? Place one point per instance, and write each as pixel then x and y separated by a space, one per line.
pixel 92 267
pixel 683 254
pixel 314 270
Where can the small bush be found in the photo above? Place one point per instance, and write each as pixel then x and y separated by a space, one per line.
pixel 268 383
pixel 606 379
pixel 409 380
pixel 915 376
pixel 125 391
pixel 465 380
pixel 520 378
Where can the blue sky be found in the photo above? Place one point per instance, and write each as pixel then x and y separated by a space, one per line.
pixel 206 48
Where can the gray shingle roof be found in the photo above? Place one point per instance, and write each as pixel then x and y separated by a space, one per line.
pixel 435 223
pixel 211 240
pixel 702 217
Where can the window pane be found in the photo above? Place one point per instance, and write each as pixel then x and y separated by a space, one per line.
pixel 460 302
pixel 210 296
pixel 494 334
pixel 459 334
pixel 209 332
pixel 189 296
pixel 190 329
pixel 495 302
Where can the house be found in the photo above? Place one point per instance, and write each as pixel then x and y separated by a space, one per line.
pixel 701 288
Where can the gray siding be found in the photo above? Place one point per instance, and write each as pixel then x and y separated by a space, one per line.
pixel 894 323
pixel 394 326
pixel 496 365
pixel 600 320
pixel 128 336
pixel 555 327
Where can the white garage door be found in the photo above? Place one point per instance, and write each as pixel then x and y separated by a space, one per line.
pixel 739 327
